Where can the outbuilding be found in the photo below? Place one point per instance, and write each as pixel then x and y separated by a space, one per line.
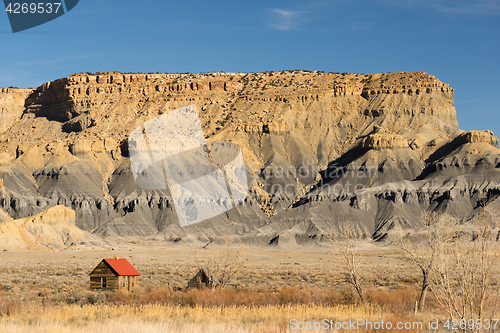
pixel 114 274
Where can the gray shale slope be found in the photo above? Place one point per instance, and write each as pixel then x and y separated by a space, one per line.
pixel 319 148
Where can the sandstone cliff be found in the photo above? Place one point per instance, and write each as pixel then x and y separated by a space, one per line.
pixel 68 145
pixel 51 229
pixel 12 106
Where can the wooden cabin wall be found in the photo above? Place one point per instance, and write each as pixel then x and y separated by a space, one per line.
pixel 111 282
pixel 102 270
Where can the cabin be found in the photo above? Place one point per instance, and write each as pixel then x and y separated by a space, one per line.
pixel 114 274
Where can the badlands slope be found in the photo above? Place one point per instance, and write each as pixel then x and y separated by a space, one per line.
pixel 51 229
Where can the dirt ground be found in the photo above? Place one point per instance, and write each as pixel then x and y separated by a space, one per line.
pixel 160 264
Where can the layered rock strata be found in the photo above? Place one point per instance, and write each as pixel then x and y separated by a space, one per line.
pixel 300 133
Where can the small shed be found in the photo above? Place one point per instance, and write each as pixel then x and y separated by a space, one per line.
pixel 114 274
pixel 200 280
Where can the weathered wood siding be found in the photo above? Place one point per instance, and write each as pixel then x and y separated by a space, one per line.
pixel 103 270
pixel 128 282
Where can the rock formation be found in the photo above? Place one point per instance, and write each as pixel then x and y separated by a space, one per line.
pixel 51 229
pixel 307 138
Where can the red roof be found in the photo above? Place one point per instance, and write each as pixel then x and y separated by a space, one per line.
pixel 121 267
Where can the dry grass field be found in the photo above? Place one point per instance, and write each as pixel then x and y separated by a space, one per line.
pixel 48 292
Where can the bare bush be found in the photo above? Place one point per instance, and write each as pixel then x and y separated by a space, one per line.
pixel 221 269
pixel 464 280
pixel 8 306
pixel 348 246
pixel 422 248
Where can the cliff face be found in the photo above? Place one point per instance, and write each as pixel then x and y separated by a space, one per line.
pixel 261 101
pixel 11 106
pixel 70 145
pixel 325 111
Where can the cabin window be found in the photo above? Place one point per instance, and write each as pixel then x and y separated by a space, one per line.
pixel 133 282
pixel 103 282
pixel 123 279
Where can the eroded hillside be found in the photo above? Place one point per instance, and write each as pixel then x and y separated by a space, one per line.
pixel 315 134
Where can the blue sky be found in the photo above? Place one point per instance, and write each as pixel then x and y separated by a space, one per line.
pixel 458 41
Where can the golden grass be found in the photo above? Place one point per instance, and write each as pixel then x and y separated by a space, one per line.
pixel 208 311
pixel 159 318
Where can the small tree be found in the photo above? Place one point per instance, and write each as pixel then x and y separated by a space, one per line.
pixel 223 267
pixel 422 248
pixel 348 246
